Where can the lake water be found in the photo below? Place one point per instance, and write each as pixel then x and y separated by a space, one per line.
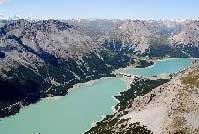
pixel 162 67
pixel 74 113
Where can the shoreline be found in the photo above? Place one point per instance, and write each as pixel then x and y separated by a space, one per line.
pixel 88 83
pixel 134 66
pixel 91 82
pixel 128 82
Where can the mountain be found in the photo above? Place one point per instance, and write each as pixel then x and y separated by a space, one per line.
pixel 95 28
pixel 47 57
pixel 154 38
pixel 187 39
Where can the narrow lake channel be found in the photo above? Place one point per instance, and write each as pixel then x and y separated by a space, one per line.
pixel 74 113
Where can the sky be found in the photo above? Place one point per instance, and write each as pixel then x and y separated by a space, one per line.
pixel 101 9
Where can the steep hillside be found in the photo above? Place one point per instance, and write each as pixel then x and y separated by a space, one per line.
pixel 187 40
pixel 154 38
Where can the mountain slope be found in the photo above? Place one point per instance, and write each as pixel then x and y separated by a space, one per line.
pixel 154 38
pixel 187 40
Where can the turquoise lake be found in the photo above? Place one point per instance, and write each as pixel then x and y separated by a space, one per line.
pixel 162 67
pixel 74 113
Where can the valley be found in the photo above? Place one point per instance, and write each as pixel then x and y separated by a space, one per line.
pixel 45 58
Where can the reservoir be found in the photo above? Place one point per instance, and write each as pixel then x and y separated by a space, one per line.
pixel 75 112
pixel 162 67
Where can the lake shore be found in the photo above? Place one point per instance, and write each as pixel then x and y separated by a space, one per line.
pixel 76 100
pixel 117 109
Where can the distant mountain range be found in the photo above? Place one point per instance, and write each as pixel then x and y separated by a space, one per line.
pixel 47 57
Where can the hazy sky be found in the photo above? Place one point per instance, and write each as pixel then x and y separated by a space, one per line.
pixel 121 9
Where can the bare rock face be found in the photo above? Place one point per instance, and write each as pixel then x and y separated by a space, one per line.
pixel 187 40
pixel 132 36
pixel 55 37
pixel 154 38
